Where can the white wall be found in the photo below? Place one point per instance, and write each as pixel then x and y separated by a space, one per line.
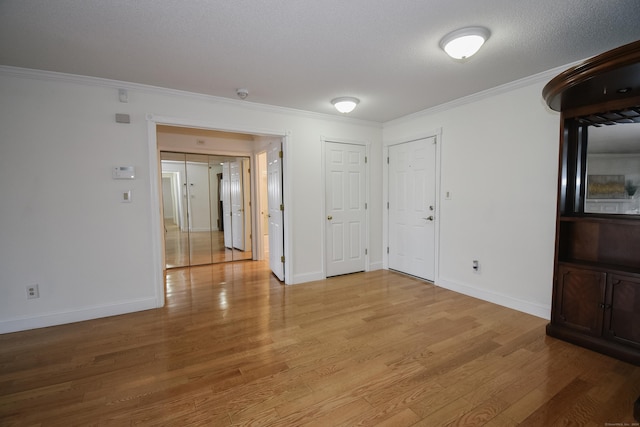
pixel 499 157
pixel 62 224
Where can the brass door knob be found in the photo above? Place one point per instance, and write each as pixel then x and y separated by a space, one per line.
pixel 329 217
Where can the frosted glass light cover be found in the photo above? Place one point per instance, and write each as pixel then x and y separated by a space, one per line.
pixel 464 47
pixel 463 43
pixel 345 104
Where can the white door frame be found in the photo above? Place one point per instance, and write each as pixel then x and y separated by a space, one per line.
pixel 437 134
pixel 367 146
pixel 155 184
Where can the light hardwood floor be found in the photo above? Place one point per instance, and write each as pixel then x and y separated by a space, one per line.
pixel 198 248
pixel 235 347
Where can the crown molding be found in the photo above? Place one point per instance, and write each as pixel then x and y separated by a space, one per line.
pixel 30 73
pixel 544 76
pixel 479 96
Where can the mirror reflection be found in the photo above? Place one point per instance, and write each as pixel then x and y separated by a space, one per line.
pixel 206 208
pixel 613 169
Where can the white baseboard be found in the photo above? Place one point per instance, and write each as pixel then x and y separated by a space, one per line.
pixel 307 277
pixel 88 313
pixel 538 310
pixel 375 266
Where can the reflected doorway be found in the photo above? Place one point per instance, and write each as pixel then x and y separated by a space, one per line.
pixel 206 208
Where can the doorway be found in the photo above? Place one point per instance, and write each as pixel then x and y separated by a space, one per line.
pixel 206 202
pixel 230 141
pixel 412 207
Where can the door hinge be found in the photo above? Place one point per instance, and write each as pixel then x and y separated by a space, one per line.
pixel 366 251
pixel 282 259
pixel 365 159
pixel 280 153
pixel 387 205
pixel 387 159
pixel 365 206
pixel 282 207
pixel 387 249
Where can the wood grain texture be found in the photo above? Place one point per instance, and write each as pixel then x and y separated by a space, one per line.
pixel 235 347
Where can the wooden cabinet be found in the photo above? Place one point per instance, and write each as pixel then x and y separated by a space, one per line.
pixel 622 317
pixel 598 309
pixel 580 295
pixel 596 289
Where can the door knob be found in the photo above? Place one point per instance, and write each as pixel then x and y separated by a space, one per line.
pixel 329 217
pixel 429 218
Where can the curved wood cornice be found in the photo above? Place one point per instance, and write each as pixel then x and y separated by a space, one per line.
pixel 609 76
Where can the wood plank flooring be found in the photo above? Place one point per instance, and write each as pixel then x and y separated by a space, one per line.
pixel 233 346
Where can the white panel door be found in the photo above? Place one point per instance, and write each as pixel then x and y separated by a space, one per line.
pixel 237 205
pixel 245 190
pixel 225 195
pixel 412 195
pixel 345 208
pixel 275 209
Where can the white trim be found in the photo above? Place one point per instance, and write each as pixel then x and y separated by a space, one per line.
pixel 306 277
pixel 86 313
pixel 156 223
pixel 367 197
pixel 287 201
pixel 488 93
pixel 538 310
pixel 376 266
pixel 118 84
pixel 224 127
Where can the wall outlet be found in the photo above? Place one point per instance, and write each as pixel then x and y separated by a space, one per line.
pixel 33 291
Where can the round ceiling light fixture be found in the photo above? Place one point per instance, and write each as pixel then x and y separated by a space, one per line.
pixel 463 43
pixel 345 104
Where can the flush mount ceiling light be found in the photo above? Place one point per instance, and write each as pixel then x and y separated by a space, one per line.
pixel 345 104
pixel 463 43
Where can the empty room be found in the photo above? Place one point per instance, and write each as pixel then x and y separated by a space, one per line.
pixel 328 213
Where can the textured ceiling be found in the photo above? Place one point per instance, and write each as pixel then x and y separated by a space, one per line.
pixel 302 53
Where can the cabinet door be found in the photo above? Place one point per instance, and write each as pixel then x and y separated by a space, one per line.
pixel 580 294
pixel 622 318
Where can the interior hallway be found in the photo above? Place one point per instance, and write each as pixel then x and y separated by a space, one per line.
pixel 234 346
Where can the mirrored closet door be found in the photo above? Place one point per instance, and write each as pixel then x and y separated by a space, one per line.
pixel 206 208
